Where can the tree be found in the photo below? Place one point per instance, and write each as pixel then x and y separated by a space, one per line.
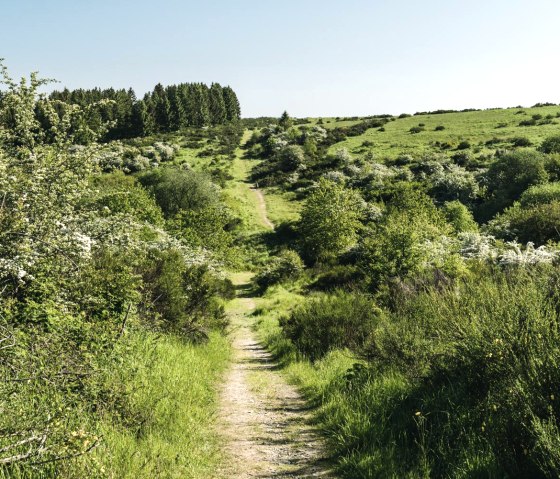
pixel 285 121
pixel 330 221
pixel 162 108
pixel 177 117
pixel 233 110
pixel 217 105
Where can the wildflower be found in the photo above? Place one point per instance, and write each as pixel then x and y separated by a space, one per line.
pixel 417 413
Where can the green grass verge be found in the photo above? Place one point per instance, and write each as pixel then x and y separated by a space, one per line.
pixel 173 392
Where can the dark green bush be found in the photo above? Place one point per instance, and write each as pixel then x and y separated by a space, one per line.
pixel 551 144
pixel 286 266
pixel 340 320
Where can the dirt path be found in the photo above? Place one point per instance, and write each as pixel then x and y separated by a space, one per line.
pixel 262 208
pixel 264 420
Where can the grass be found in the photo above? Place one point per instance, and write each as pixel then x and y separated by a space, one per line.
pixel 173 391
pixel 476 127
pixel 281 206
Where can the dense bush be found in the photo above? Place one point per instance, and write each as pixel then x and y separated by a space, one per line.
pixel 481 360
pixel 175 189
pixel 540 194
pixel 509 176
pixel 340 320
pixel 286 266
pixel 537 223
pixel 330 221
pixel 551 145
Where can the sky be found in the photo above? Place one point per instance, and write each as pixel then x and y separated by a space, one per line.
pixel 309 57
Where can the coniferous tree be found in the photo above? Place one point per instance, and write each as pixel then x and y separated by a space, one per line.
pixel 217 105
pixel 233 110
pixel 161 108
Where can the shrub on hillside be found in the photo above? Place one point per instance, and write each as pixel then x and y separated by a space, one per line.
pixel 337 321
pixel 509 176
pixel 538 223
pixel 286 266
pixel 551 144
pixel 540 194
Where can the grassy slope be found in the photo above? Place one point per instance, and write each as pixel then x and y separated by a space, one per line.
pixel 475 127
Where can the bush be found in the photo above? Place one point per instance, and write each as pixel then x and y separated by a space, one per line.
pixel 341 320
pixel 439 128
pixel 482 366
pixel 520 141
pixel 464 145
pixel 330 220
pixel 176 189
pixel 538 223
pixel 540 194
pixel 459 217
pixel 416 129
pixel 551 145
pixel 286 266
pixel 510 175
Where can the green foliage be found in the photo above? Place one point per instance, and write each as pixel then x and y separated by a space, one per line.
pixel 551 145
pixel 396 246
pixel 330 221
pixel 510 175
pixel 290 158
pixel 287 265
pixel 337 321
pixel 538 223
pixel 459 217
pixel 181 296
pixel 540 194
pixel 176 190
pixel 285 122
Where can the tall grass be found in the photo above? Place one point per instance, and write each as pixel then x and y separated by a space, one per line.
pixel 173 392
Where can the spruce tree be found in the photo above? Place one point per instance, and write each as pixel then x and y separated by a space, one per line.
pixel 233 110
pixel 217 105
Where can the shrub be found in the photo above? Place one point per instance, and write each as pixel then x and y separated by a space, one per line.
pixel 464 145
pixel 540 194
pixel 510 175
pixel 176 189
pixel 286 266
pixel 520 141
pixel 337 321
pixel 459 217
pixel 290 158
pixel 538 223
pixel 482 366
pixel 330 220
pixel 416 129
pixel 439 128
pixel 551 144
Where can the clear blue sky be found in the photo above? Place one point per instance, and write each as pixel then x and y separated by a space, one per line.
pixel 310 57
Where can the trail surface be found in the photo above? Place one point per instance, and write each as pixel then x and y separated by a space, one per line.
pixel 265 420
pixel 261 204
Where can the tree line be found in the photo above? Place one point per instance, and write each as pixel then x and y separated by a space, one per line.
pixel 165 109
